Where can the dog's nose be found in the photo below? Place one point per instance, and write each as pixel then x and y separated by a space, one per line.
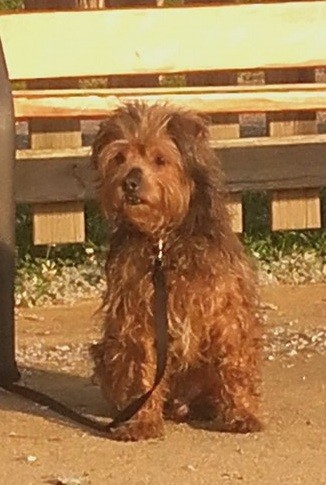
pixel 131 182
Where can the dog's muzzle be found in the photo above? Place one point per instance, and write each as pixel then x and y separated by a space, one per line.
pixel 131 185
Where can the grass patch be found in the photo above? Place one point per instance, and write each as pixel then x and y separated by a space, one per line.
pixel 268 245
pixel 257 237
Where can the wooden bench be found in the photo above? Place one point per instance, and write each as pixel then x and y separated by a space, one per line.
pixel 282 45
pixel 234 61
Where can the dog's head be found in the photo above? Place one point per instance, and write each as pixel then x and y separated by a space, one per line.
pixel 157 170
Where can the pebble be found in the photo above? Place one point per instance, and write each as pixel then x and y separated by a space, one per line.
pixel 65 481
pixel 286 342
pixel 31 459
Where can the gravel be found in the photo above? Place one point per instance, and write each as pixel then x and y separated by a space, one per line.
pixel 50 283
pixel 296 268
pixel 64 357
pixel 281 342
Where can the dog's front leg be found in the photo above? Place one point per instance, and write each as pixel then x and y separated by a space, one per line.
pixel 125 368
pixel 147 422
pixel 236 396
pixel 237 403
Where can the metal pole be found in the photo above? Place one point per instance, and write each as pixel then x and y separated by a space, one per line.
pixel 8 368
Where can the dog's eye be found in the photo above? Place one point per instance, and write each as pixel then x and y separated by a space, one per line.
pixel 159 160
pixel 119 158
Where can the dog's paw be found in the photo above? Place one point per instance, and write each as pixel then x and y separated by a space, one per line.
pixel 244 424
pixel 137 431
pixel 177 411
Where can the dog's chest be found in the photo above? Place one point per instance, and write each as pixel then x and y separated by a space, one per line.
pixel 189 285
pixel 131 293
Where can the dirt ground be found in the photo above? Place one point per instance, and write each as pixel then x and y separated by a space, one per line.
pixel 38 447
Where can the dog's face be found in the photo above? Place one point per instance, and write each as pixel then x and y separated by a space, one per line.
pixel 141 159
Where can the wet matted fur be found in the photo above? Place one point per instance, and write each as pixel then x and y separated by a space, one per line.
pixel 161 180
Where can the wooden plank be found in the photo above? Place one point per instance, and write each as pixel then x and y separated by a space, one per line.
pixel 140 91
pixel 274 167
pixel 49 181
pixel 58 223
pixel 263 141
pixel 198 38
pixel 267 141
pixel 293 209
pixel 97 104
pixel 296 209
pixel 248 166
pixel 135 80
pixel 235 209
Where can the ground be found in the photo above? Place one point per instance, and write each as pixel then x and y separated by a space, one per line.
pixel 38 447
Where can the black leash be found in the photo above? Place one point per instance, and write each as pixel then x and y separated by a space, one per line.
pixel 161 333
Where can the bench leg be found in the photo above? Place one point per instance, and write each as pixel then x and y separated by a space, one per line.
pixel 8 368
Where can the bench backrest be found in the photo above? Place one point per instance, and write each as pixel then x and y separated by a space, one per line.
pixel 99 43
pixel 280 44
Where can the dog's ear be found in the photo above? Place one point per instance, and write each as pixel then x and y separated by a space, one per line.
pixel 109 131
pixel 187 129
pixel 189 132
pixel 187 122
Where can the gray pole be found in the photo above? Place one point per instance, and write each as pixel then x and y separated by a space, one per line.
pixel 8 368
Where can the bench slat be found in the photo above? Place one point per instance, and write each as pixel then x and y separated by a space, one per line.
pixel 240 143
pixel 249 164
pixel 237 99
pixel 50 45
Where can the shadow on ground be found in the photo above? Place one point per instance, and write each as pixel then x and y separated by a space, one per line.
pixel 74 391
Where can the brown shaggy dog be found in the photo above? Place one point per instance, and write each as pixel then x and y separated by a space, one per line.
pixel 161 181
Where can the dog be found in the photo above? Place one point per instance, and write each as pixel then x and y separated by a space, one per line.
pixel 160 182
